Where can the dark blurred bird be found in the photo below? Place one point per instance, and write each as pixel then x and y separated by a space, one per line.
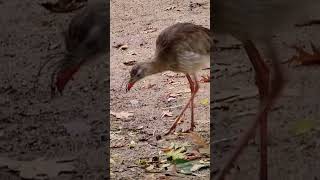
pixel 182 47
pixel 85 40
pixel 63 6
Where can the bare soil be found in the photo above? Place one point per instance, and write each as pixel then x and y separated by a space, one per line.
pixel 61 138
pixel 136 24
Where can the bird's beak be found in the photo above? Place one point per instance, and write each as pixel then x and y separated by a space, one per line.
pixel 129 86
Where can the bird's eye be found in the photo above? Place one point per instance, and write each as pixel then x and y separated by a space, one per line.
pixel 133 72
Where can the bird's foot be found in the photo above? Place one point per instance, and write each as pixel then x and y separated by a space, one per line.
pixel 170 131
pixel 188 130
pixel 205 79
pixel 305 58
pixel 191 129
pixel 173 127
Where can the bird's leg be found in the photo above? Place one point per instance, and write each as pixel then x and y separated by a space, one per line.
pixel 262 81
pixel 194 88
pixel 277 84
pixel 174 125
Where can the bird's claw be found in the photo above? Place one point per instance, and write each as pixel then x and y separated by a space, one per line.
pixel 304 57
pixel 205 79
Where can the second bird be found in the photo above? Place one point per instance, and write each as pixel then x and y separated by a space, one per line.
pixel 85 39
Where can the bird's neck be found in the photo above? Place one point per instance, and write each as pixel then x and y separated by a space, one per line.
pixel 154 67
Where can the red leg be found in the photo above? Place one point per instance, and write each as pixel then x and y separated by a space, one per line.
pixel 174 125
pixel 195 90
pixel 262 81
pixel 267 101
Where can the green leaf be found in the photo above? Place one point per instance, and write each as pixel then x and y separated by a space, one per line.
pixel 303 126
pixel 185 168
pixel 177 153
pixel 180 161
pixel 204 102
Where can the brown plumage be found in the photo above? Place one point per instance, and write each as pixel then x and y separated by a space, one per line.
pixel 182 47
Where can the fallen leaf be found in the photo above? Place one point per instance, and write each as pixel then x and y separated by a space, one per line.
pixel 166 113
pixel 142 162
pixel 112 161
pixel 170 8
pixel 170 99
pixel 130 63
pixel 150 30
pixel 197 139
pixel 185 168
pixel 305 58
pixel 150 86
pixel 117 145
pixel 140 127
pixel 134 102
pixel 204 102
pixel 197 167
pixel 122 114
pixel 149 168
pixel 174 95
pixel 132 144
pixel 303 126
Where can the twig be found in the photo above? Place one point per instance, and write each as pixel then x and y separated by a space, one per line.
pixel 224 139
pixel 172 107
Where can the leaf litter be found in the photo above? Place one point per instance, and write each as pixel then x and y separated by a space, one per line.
pixel 304 126
pixel 180 158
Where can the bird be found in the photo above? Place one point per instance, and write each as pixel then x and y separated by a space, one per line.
pixel 253 21
pixel 62 6
pixel 85 40
pixel 183 48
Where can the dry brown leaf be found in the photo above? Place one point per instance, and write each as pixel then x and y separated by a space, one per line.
pixel 170 8
pixel 150 86
pixel 174 95
pixel 197 139
pixel 118 145
pixel 130 63
pixel 150 30
pixel 304 57
pixel 171 99
pixel 122 114
pixel 166 113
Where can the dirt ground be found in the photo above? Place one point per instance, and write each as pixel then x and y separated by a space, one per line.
pixel 293 123
pixel 136 25
pixel 63 138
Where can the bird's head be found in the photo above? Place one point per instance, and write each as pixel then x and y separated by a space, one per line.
pixel 137 72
